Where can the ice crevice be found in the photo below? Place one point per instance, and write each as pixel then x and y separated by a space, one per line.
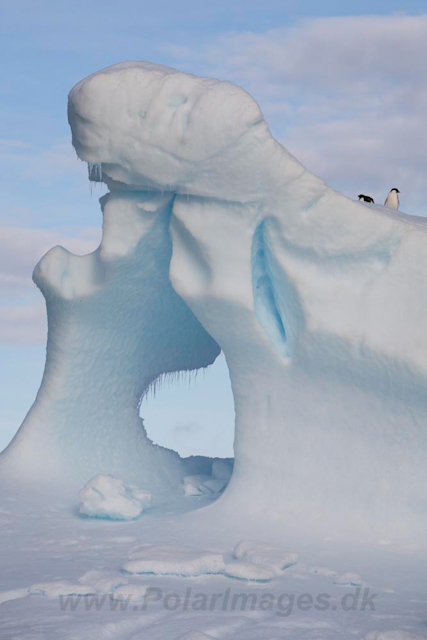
pixel 265 300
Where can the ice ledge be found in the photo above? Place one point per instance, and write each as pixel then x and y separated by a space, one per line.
pixel 153 127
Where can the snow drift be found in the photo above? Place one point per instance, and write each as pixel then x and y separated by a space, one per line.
pixel 215 235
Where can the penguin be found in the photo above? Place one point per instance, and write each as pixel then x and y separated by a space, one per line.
pixel 366 198
pixel 392 200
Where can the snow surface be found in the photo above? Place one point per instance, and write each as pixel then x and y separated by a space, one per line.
pixel 13 594
pixel 259 553
pixel 393 635
pixel 249 571
pixel 47 554
pixel 222 470
pixel 130 593
pixel 194 635
pixel 61 588
pixel 103 581
pixel 107 497
pixel 201 484
pixel 349 579
pixel 216 238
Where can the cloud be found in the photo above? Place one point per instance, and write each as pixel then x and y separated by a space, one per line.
pixel 186 429
pixel 45 185
pixel 37 176
pixel 322 51
pixel 22 313
pixel 21 249
pixel 44 174
pixel 25 324
pixel 45 165
pixel 13 144
pixel 346 95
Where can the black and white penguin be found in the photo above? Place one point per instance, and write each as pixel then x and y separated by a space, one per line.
pixel 392 200
pixel 366 198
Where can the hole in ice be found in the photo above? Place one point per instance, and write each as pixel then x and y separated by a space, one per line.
pixel 178 101
pixel 265 302
pixel 192 413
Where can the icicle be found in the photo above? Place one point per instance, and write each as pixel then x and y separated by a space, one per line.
pixel 171 378
pixel 95 171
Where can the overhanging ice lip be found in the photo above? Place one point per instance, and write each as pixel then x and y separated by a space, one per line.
pixel 151 126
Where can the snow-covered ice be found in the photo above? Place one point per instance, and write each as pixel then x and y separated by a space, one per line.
pixel 222 470
pixel 216 238
pixel 107 497
pixel 174 560
pixel 61 588
pixel 194 485
pixel 213 483
pixel 199 485
pixel 99 365
pixel 59 570
pixel 266 555
pixel 14 594
pixel 394 635
pixel 194 635
pixel 103 581
pixel 323 571
pixel 249 571
pixel 349 579
pixel 130 593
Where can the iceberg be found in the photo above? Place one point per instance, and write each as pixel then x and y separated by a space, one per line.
pixel 216 238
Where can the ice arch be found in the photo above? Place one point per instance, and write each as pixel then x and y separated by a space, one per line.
pixel 115 325
pixel 318 302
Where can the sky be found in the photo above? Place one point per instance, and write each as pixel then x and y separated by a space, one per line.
pixel 342 85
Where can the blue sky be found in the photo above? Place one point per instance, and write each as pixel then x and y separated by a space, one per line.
pixel 343 86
